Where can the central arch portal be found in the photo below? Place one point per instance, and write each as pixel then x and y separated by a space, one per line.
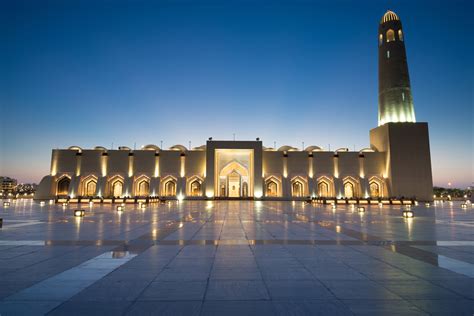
pixel 233 180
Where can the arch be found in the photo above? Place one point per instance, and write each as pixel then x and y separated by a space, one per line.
pixel 115 186
pixel 325 187
pixel 400 35
pixel 272 186
pixel 389 16
pixel 89 185
pixel 62 186
pixel 195 186
pixel 142 186
pixel 234 166
pixel 390 35
pixel 168 186
pixel 376 187
pixel 350 187
pixel 299 186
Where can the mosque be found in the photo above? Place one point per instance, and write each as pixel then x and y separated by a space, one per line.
pixel 396 165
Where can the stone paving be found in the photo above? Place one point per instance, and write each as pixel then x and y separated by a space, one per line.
pixel 236 258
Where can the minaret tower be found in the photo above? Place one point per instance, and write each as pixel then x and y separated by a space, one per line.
pixel 395 99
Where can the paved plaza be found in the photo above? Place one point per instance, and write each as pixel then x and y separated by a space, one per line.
pixel 236 258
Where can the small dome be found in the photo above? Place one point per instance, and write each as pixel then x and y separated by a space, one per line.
pixel 389 16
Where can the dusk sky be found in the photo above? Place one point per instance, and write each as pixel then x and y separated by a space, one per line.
pixel 92 73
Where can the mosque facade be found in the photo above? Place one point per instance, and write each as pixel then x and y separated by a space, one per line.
pixel 396 165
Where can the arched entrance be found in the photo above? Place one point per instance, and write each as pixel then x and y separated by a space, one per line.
pixel 63 186
pixel 234 179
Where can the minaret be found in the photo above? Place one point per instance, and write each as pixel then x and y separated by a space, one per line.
pixel 395 99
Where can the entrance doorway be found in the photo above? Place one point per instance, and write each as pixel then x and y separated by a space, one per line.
pixel 234 184
pixel 233 180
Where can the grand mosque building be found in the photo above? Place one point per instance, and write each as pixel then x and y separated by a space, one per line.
pixel 396 165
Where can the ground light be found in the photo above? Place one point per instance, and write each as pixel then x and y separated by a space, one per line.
pixel 408 213
pixel 427 204
pixel 120 208
pixel 42 203
pixel 464 206
pixel 143 206
pixel 361 209
pixel 6 204
pixel 79 213
pixel 64 204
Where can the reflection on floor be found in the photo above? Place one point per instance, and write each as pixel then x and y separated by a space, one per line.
pixel 236 257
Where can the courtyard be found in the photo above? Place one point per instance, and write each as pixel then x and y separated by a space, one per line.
pixel 236 258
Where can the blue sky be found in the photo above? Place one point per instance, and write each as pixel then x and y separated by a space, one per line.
pixel 93 73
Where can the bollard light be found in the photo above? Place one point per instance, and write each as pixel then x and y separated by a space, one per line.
pixel 427 204
pixel 361 209
pixel 42 203
pixel 6 204
pixel 464 206
pixel 79 213
pixel 143 206
pixel 120 208
pixel 408 214
pixel 64 204
pixel 408 207
pixel 380 204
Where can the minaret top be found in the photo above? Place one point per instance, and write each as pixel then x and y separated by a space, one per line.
pixel 389 16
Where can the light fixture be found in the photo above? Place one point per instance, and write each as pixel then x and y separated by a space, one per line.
pixel 408 207
pixel 6 204
pixel 143 206
pixel 79 213
pixel 91 203
pixel 120 208
pixel 51 202
pixel 42 203
pixel 380 204
pixel 464 205
pixel 408 214
pixel 64 204
pixel 427 204
pixel 361 209
pixel 416 203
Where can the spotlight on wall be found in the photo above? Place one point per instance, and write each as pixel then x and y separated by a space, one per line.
pixel 360 209
pixel 120 208
pixel 79 213
pixel 408 214
pixel 6 204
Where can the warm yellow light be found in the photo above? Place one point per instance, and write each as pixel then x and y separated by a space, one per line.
pixel 182 167
pixel 361 209
pixel 42 203
pixel 79 213
pixel 120 208
pixel 157 166
pixel 408 214
pixel 180 197
pixel 6 204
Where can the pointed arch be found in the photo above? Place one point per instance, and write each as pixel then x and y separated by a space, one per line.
pixel 234 166
pixel 62 185
pixel 325 187
pixel 390 36
pixel 141 186
pixel 273 186
pixel 350 187
pixel 168 186
pixel 88 186
pixel 194 185
pixel 376 187
pixel 115 185
pixel 299 186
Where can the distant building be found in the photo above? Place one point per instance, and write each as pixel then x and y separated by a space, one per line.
pixel 397 164
pixel 7 185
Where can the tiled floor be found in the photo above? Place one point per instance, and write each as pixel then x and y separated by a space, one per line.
pixel 236 258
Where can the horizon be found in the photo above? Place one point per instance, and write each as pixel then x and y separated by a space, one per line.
pixel 95 74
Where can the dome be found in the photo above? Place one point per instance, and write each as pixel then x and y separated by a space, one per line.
pixel 389 16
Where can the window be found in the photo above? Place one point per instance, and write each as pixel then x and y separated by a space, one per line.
pixel 297 189
pixel 195 188
pixel 323 189
pixel 348 190
pixel 117 188
pixel 143 188
pixel 91 188
pixel 170 188
pixel 374 190
pixel 400 35
pixel 390 36
pixel 272 188
pixel 380 39
pixel 63 186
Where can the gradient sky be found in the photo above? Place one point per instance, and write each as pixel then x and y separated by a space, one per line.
pixel 93 73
